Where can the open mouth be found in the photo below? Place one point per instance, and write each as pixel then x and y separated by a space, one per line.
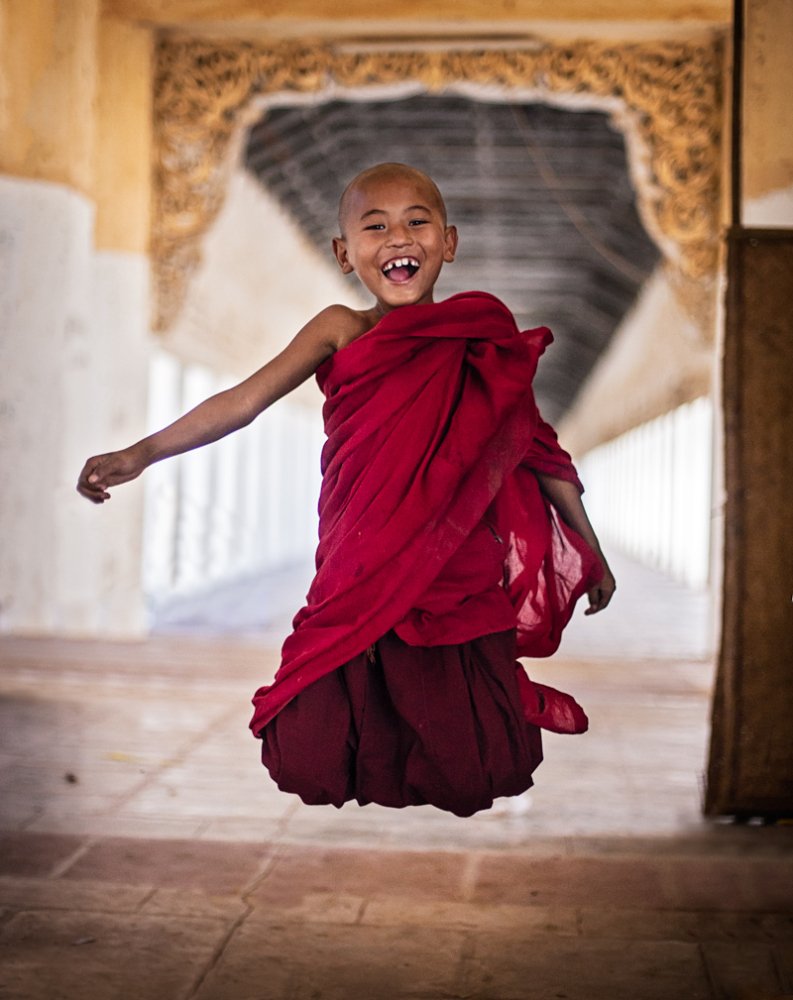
pixel 401 269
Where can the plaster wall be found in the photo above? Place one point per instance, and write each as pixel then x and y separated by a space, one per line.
pixel 767 144
pixel 47 90
pixel 123 150
pixel 72 360
pixel 444 18
pixel 657 360
pixel 75 161
pixel 260 281
pixel 107 397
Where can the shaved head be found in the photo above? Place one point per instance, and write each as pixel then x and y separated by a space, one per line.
pixel 387 172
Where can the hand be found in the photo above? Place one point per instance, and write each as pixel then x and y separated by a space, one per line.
pixel 600 595
pixel 103 471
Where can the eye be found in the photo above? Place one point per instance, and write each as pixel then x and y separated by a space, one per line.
pixel 375 225
pixel 418 222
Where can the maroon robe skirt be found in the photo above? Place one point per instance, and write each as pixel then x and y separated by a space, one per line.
pixel 409 725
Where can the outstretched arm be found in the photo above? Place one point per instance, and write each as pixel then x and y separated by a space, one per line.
pixel 567 501
pixel 227 411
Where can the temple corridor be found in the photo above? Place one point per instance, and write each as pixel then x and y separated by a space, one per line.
pixel 169 182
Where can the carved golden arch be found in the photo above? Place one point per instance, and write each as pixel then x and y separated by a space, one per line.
pixel 667 96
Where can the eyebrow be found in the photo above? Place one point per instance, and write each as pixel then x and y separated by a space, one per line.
pixel 381 211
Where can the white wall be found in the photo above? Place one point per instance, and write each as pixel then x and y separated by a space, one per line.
pixel 770 211
pixel 73 358
pixel 259 281
pixel 658 359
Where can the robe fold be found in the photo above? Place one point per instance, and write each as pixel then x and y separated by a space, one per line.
pixel 431 520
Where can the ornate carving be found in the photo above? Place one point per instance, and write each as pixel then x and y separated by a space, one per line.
pixel 667 96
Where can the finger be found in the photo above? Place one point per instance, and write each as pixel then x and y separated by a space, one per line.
pixel 599 598
pixel 94 497
pixel 91 465
pixel 604 597
pixel 97 476
pixel 92 494
pixel 97 470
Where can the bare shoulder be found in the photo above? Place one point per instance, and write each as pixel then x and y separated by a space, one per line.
pixel 339 325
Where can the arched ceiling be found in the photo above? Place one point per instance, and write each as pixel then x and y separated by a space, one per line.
pixel 541 196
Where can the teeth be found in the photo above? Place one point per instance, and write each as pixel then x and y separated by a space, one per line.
pixel 400 262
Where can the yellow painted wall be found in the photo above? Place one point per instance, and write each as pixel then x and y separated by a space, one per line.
pixel 767 103
pixel 47 90
pixel 452 11
pixel 75 109
pixel 122 186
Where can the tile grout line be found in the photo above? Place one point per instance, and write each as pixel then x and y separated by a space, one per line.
pixel 179 757
pixel 218 953
pixel 361 911
pixel 146 899
pixel 256 880
pixel 470 876
pixel 253 883
pixel 62 867
pixel 468 945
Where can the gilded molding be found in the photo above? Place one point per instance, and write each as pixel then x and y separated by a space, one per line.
pixel 665 95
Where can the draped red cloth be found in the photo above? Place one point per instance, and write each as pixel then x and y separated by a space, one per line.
pixel 433 442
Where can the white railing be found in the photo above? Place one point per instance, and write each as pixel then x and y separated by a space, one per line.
pixel 242 506
pixel 649 492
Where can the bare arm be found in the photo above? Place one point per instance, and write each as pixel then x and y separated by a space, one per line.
pixel 227 411
pixel 567 500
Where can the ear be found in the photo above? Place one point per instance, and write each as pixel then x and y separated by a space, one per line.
pixel 449 243
pixel 340 253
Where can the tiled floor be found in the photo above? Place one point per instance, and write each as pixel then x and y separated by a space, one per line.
pixel 145 854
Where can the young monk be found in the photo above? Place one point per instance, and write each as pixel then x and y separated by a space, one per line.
pixel 452 533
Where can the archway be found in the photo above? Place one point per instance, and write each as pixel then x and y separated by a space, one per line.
pixel 665 96
pixel 207 98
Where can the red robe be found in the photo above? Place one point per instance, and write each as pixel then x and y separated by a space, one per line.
pixel 433 439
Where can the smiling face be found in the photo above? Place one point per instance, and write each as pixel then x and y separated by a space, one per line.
pixel 394 235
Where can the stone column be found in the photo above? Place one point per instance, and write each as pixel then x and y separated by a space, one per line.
pixel 74 150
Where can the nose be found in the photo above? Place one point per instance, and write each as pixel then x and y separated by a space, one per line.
pixel 399 235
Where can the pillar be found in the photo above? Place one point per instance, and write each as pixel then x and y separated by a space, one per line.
pixel 750 770
pixel 74 201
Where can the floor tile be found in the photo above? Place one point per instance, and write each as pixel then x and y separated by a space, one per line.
pixel 685 925
pixel 35 854
pixel 63 955
pixel 336 963
pixel 297 872
pixel 741 970
pixel 565 881
pixel 536 920
pixel 63 894
pixel 523 967
pixel 206 865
